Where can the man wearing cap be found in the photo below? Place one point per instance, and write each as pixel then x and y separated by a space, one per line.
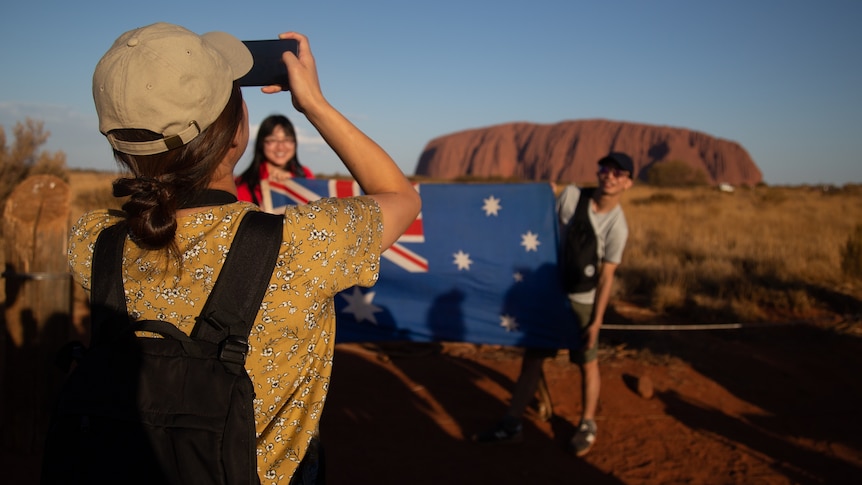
pixel 615 172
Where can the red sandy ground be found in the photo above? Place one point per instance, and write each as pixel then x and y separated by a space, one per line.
pixel 764 405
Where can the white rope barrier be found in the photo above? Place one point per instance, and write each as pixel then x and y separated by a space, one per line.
pixel 35 275
pixel 692 326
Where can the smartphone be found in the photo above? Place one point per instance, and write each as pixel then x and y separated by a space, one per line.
pixel 268 68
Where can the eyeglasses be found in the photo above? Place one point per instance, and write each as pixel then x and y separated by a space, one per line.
pixel 283 141
pixel 616 172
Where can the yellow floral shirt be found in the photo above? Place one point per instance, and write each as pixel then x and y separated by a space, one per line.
pixel 329 245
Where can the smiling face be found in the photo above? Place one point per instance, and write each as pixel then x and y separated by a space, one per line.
pixel 279 147
pixel 613 180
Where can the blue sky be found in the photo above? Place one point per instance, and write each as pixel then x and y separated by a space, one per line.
pixel 781 77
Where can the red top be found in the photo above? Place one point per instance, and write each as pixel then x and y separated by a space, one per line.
pixel 244 193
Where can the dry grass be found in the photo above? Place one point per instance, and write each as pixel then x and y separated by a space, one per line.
pixel 754 254
pixel 92 190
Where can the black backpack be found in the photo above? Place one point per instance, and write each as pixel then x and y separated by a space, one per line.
pixel 172 410
pixel 579 265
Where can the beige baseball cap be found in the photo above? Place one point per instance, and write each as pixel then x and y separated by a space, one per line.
pixel 166 79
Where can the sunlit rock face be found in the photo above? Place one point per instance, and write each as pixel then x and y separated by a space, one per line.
pixel 568 152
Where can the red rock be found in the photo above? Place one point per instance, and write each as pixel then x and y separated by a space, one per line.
pixel 646 389
pixel 568 152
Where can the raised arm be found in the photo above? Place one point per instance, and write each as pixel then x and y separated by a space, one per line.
pixel 370 165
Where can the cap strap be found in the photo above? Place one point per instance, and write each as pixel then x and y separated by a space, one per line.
pixel 156 146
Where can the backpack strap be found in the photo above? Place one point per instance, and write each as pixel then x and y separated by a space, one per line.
pixel 578 248
pixel 107 296
pixel 581 210
pixel 232 306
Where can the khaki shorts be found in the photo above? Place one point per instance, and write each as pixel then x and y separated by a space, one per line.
pixel 577 354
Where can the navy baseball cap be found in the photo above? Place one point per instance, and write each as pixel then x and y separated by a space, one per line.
pixel 621 160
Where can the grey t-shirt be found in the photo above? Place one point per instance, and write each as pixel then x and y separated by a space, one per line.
pixel 611 229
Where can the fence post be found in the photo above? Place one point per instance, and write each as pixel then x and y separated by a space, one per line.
pixel 38 311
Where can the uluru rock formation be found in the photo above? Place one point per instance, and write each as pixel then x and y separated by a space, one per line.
pixel 567 152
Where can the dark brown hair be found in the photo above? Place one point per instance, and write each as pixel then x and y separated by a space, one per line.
pixel 162 183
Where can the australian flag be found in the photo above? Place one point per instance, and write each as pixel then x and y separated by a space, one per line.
pixel 479 265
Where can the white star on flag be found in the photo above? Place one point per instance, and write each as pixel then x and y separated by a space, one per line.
pixel 360 305
pixel 462 260
pixel 508 322
pixel 518 277
pixel 530 241
pixel 492 206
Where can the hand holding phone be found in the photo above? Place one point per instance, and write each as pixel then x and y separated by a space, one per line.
pixel 268 68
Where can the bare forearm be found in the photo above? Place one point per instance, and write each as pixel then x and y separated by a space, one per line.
pixel 370 165
pixel 373 169
pixel 603 292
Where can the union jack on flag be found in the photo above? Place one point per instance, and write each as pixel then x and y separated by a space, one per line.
pixel 478 265
pixel 277 196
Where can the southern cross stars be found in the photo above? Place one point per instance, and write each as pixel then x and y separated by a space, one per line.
pixel 492 206
pixel 360 305
pixel 462 260
pixel 508 322
pixel 530 241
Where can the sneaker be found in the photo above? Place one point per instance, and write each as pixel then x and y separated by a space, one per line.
pixel 584 438
pixel 507 431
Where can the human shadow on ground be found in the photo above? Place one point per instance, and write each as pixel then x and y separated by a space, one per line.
pixel 804 378
pixel 379 427
pixel 797 463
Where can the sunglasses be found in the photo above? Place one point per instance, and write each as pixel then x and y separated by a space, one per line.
pixel 617 172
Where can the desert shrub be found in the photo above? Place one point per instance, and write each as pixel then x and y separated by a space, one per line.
pixel 675 173
pixel 747 310
pixel 851 254
pixel 25 158
pixel 667 296
pixel 771 195
pixel 50 165
pixel 852 189
pixel 656 198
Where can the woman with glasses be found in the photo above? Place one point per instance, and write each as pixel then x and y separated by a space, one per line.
pixel 275 159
